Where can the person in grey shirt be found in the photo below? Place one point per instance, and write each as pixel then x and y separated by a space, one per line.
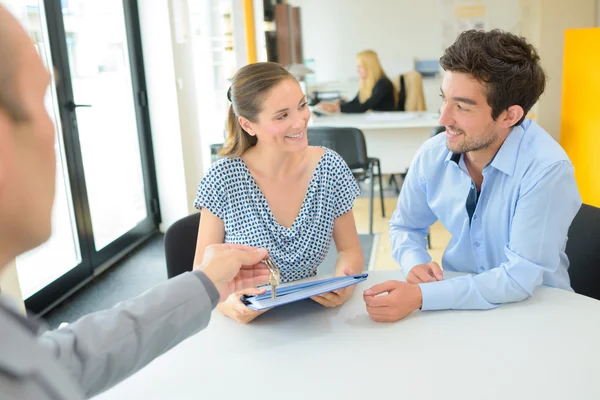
pixel 101 349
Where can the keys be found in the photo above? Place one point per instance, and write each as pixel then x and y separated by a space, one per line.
pixel 275 276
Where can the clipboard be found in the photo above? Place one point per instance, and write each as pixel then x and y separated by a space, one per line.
pixel 292 293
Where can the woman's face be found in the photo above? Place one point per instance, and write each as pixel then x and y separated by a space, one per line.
pixel 362 72
pixel 283 119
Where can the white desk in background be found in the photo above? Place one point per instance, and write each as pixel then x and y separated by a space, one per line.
pixel 546 347
pixel 393 137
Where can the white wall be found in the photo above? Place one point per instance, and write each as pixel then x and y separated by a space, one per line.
pixel 174 125
pixel 334 31
pixel 259 32
pixel 187 97
pixel 597 12
pixel 239 32
pixel 185 92
pixel 398 30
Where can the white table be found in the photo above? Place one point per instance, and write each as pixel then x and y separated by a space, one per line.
pixel 547 347
pixel 393 137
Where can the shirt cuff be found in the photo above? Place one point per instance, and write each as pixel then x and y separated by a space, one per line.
pixel 412 258
pixel 210 288
pixel 437 295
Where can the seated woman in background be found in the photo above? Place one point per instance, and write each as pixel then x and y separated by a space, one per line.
pixel 376 91
pixel 272 190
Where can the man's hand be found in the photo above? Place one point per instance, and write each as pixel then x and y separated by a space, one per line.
pixel 233 267
pixel 337 297
pixel 423 273
pixel 401 299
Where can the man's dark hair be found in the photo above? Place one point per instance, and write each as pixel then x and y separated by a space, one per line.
pixel 10 100
pixel 506 64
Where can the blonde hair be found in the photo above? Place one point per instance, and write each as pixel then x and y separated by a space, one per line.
pixel 249 88
pixel 368 60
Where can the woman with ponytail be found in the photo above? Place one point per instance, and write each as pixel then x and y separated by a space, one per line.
pixel 272 190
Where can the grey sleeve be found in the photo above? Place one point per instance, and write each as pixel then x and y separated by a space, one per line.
pixel 103 348
pixel 211 290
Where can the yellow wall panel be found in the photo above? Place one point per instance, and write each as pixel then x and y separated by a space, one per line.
pixel 580 118
pixel 250 31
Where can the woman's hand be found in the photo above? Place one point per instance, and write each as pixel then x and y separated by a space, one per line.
pixel 337 297
pixel 235 309
pixel 350 259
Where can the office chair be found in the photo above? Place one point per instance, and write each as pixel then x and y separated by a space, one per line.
pixel 409 86
pixel 350 144
pixel 583 250
pixel 180 245
pixel 415 96
pixel 401 106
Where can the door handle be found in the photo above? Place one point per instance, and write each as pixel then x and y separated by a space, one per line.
pixel 71 106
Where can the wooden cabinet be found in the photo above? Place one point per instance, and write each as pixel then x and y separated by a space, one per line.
pixel 284 45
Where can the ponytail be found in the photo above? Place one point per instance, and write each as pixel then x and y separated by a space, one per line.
pixel 238 140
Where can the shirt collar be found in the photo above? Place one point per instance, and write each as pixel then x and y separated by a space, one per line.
pixel 505 159
pixel 452 157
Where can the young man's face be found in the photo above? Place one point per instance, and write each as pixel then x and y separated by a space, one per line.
pixel 466 114
pixel 27 158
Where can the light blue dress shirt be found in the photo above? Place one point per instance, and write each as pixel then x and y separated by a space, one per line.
pixel 516 238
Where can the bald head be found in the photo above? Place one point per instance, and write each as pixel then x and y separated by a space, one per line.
pixel 12 39
pixel 27 157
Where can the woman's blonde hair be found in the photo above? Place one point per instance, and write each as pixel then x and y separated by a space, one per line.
pixel 249 88
pixel 368 60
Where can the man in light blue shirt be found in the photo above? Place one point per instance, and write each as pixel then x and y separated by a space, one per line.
pixel 500 184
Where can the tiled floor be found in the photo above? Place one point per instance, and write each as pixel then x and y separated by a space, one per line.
pixel 439 235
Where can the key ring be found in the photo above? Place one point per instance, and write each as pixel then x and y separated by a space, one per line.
pixel 275 274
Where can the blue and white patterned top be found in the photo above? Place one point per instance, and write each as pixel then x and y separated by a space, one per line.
pixel 230 192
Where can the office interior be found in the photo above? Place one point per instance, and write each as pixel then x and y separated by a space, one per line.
pixel 142 103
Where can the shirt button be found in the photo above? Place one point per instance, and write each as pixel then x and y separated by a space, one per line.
pixel 477 244
pixel 474 216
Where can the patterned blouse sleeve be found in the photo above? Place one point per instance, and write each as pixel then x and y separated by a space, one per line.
pixel 346 189
pixel 211 191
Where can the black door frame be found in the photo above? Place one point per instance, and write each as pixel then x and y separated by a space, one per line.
pixel 93 261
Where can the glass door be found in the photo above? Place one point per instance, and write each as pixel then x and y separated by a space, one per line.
pixel 106 187
pixel 60 256
pixel 104 105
